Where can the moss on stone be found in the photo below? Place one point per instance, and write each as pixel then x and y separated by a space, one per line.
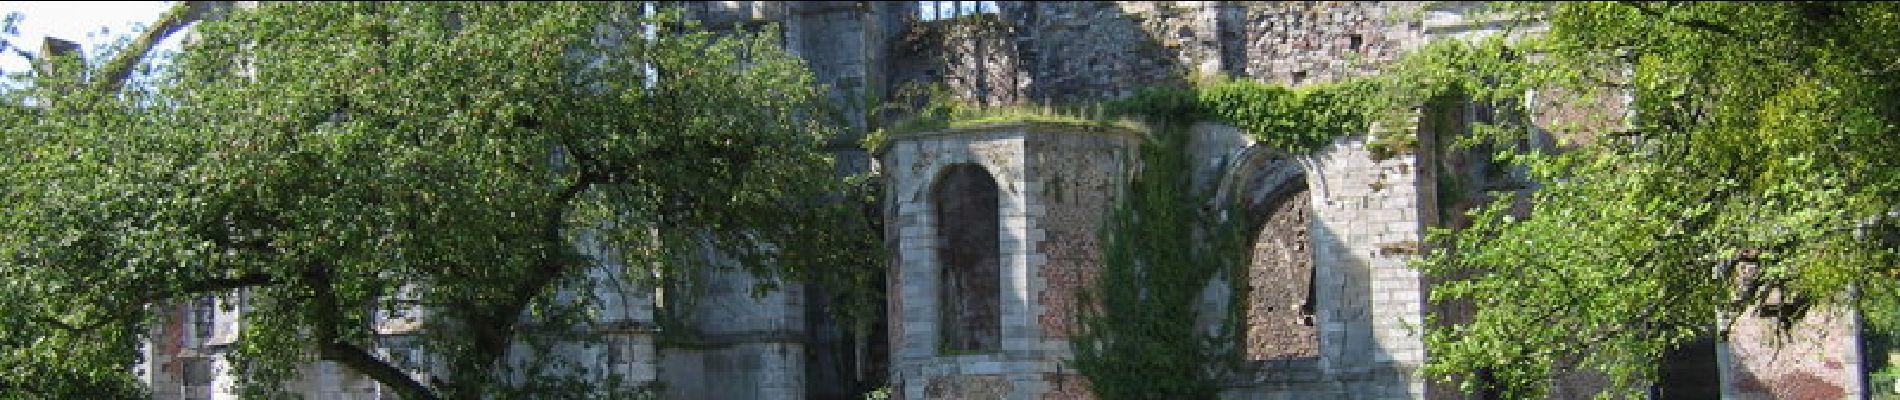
pixel 1045 120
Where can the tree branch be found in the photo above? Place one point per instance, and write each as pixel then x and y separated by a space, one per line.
pixel 330 346
pixel 113 73
pixel 361 361
pixel 1695 23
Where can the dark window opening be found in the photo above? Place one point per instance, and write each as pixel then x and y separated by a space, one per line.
pixel 197 372
pixel 970 259
pixel 204 318
pixel 1689 371
pixel 196 379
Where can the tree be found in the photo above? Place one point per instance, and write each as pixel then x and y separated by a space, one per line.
pixel 320 158
pixel 1763 135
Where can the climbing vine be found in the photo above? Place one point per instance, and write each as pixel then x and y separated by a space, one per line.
pixel 1160 248
pixel 1164 242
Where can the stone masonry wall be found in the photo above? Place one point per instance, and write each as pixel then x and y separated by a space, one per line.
pixel 1280 284
pixel 911 168
pixel 976 56
pixel 1818 359
pixel 1080 176
pixel 1077 52
pixel 734 344
pixel 1054 182
pixel 1364 226
pixel 1083 51
pixel 1297 42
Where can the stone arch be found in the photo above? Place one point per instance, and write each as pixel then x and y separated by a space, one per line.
pixel 968 232
pixel 1279 309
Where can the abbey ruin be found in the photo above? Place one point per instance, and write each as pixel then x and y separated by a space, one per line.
pixel 992 230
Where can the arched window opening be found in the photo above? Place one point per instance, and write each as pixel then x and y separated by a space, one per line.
pixel 1280 304
pixel 970 259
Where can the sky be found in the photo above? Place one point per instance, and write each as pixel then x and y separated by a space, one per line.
pixel 95 23
pixel 90 23
pixel 928 10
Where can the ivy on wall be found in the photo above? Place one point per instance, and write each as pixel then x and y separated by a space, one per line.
pixel 1163 244
pixel 1141 340
pixel 1306 119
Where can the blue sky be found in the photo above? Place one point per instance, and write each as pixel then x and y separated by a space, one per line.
pixel 91 23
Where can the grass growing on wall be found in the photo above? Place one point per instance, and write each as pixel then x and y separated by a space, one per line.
pixel 932 109
pixel 1298 120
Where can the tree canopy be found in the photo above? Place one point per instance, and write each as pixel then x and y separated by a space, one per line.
pixel 319 158
pixel 1760 158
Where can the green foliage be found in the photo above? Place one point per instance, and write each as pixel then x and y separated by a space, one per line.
pixel 927 109
pixel 1161 247
pixel 882 393
pixel 320 158
pixel 1298 120
pixel 1178 105
pixel 1762 137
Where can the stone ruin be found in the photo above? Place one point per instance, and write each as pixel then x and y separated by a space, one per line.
pixel 992 229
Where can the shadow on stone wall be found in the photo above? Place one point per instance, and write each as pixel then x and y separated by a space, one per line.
pixel 1044 53
pixel 1350 363
pixel 1347 361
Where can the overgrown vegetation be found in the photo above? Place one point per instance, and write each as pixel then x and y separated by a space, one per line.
pixel 1161 245
pixel 482 163
pixel 1164 243
pixel 1297 120
pixel 927 108
pixel 1763 136
pixel 1759 161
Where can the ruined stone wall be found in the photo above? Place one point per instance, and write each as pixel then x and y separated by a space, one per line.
pixel 1279 309
pixel 1078 52
pixel 1055 182
pixel 912 168
pixel 1297 42
pixel 1056 52
pixel 1362 226
pixel 1080 177
pixel 1083 52
pixel 1819 358
pixel 731 344
pixel 1086 51
pixel 977 57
